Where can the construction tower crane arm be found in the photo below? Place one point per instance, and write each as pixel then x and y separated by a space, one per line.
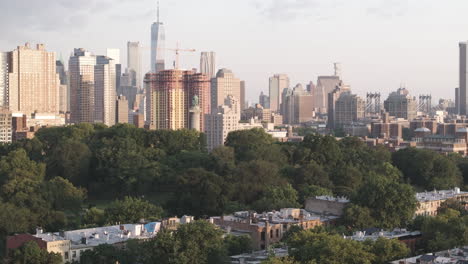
pixel 177 52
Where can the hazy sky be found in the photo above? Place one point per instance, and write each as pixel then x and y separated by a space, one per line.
pixel 381 43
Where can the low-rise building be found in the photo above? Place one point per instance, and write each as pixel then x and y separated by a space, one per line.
pixel 326 205
pixel 429 202
pixel 452 256
pixel 267 228
pixel 71 244
pixel 409 238
pixel 258 257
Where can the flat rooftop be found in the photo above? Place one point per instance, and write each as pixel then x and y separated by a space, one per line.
pixel 92 237
pixel 439 195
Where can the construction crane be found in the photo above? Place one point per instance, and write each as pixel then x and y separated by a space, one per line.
pixel 177 52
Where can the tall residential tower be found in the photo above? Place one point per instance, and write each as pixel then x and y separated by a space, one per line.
pixel 33 81
pixel 463 71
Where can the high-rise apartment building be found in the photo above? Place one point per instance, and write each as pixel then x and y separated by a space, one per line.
pixel 104 91
pixel 208 64
pixel 158 39
pixel 242 95
pixel 222 121
pixel 81 68
pixel 264 100
pixel 134 63
pixel 348 108
pixel 33 81
pixel 63 90
pixel 223 85
pixel 6 127
pixel 3 79
pixel 463 74
pixel 332 99
pixel 297 106
pixel 278 83
pixel 170 96
pixel 401 105
pixel 121 110
pixel 92 88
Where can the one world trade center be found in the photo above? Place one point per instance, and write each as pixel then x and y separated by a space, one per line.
pixel 157 45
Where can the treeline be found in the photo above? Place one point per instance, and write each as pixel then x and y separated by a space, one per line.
pixel 89 175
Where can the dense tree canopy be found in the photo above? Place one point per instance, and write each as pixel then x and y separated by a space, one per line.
pixel 90 175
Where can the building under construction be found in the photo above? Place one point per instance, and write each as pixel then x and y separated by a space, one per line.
pixel 170 96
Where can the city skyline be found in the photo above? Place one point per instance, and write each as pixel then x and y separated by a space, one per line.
pixel 314 34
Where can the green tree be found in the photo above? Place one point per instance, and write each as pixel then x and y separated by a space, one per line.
pixel 249 144
pixel 277 197
pixel 236 245
pixel 62 195
pixel 324 248
pixel 131 210
pixel 15 219
pixel 200 193
pixel 31 253
pixel 194 243
pixel 285 260
pixel 358 217
pixel 252 179
pixel 427 169
pixel 392 204
pixel 94 217
pixel 386 250
pixel 445 231
pixel 71 160
pixel 123 166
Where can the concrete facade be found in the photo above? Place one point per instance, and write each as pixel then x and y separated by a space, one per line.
pixel 278 83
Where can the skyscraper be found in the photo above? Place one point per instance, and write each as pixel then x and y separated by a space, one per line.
pixel 63 91
pixel 457 101
pixel 121 110
pixel 158 38
pixel 297 106
pixel 278 83
pixel 81 68
pixel 134 63
pixel 463 72
pixel 3 79
pixel 104 91
pixel 208 63
pixel 223 85
pixel 170 96
pixel 33 81
pixel 242 95
pixel 114 54
pixel 92 88
pixel 264 100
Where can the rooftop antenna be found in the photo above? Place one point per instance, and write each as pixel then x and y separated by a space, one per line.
pixel 158 12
